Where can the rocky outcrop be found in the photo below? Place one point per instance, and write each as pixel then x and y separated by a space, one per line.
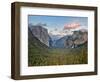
pixel 60 43
pixel 40 33
pixel 71 41
pixel 35 43
pixel 78 38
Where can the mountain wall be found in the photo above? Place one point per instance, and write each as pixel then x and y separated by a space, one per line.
pixel 41 33
pixel 71 41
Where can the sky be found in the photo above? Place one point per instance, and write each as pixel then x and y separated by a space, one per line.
pixel 56 24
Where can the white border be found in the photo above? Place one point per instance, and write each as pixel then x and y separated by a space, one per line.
pixel 37 70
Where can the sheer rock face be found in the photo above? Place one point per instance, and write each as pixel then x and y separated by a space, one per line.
pixel 71 41
pixel 78 38
pixel 41 33
pixel 81 37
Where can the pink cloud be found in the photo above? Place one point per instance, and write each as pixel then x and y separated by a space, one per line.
pixel 73 25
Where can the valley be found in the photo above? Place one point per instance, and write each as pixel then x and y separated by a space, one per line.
pixel 59 57
pixel 40 53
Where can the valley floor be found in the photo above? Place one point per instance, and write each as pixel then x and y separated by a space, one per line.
pixel 58 56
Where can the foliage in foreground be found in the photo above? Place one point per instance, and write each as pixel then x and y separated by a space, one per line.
pixel 57 57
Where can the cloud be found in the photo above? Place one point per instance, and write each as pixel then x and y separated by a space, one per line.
pixel 73 25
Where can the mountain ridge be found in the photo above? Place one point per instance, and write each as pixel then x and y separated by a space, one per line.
pixel 72 41
pixel 56 41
